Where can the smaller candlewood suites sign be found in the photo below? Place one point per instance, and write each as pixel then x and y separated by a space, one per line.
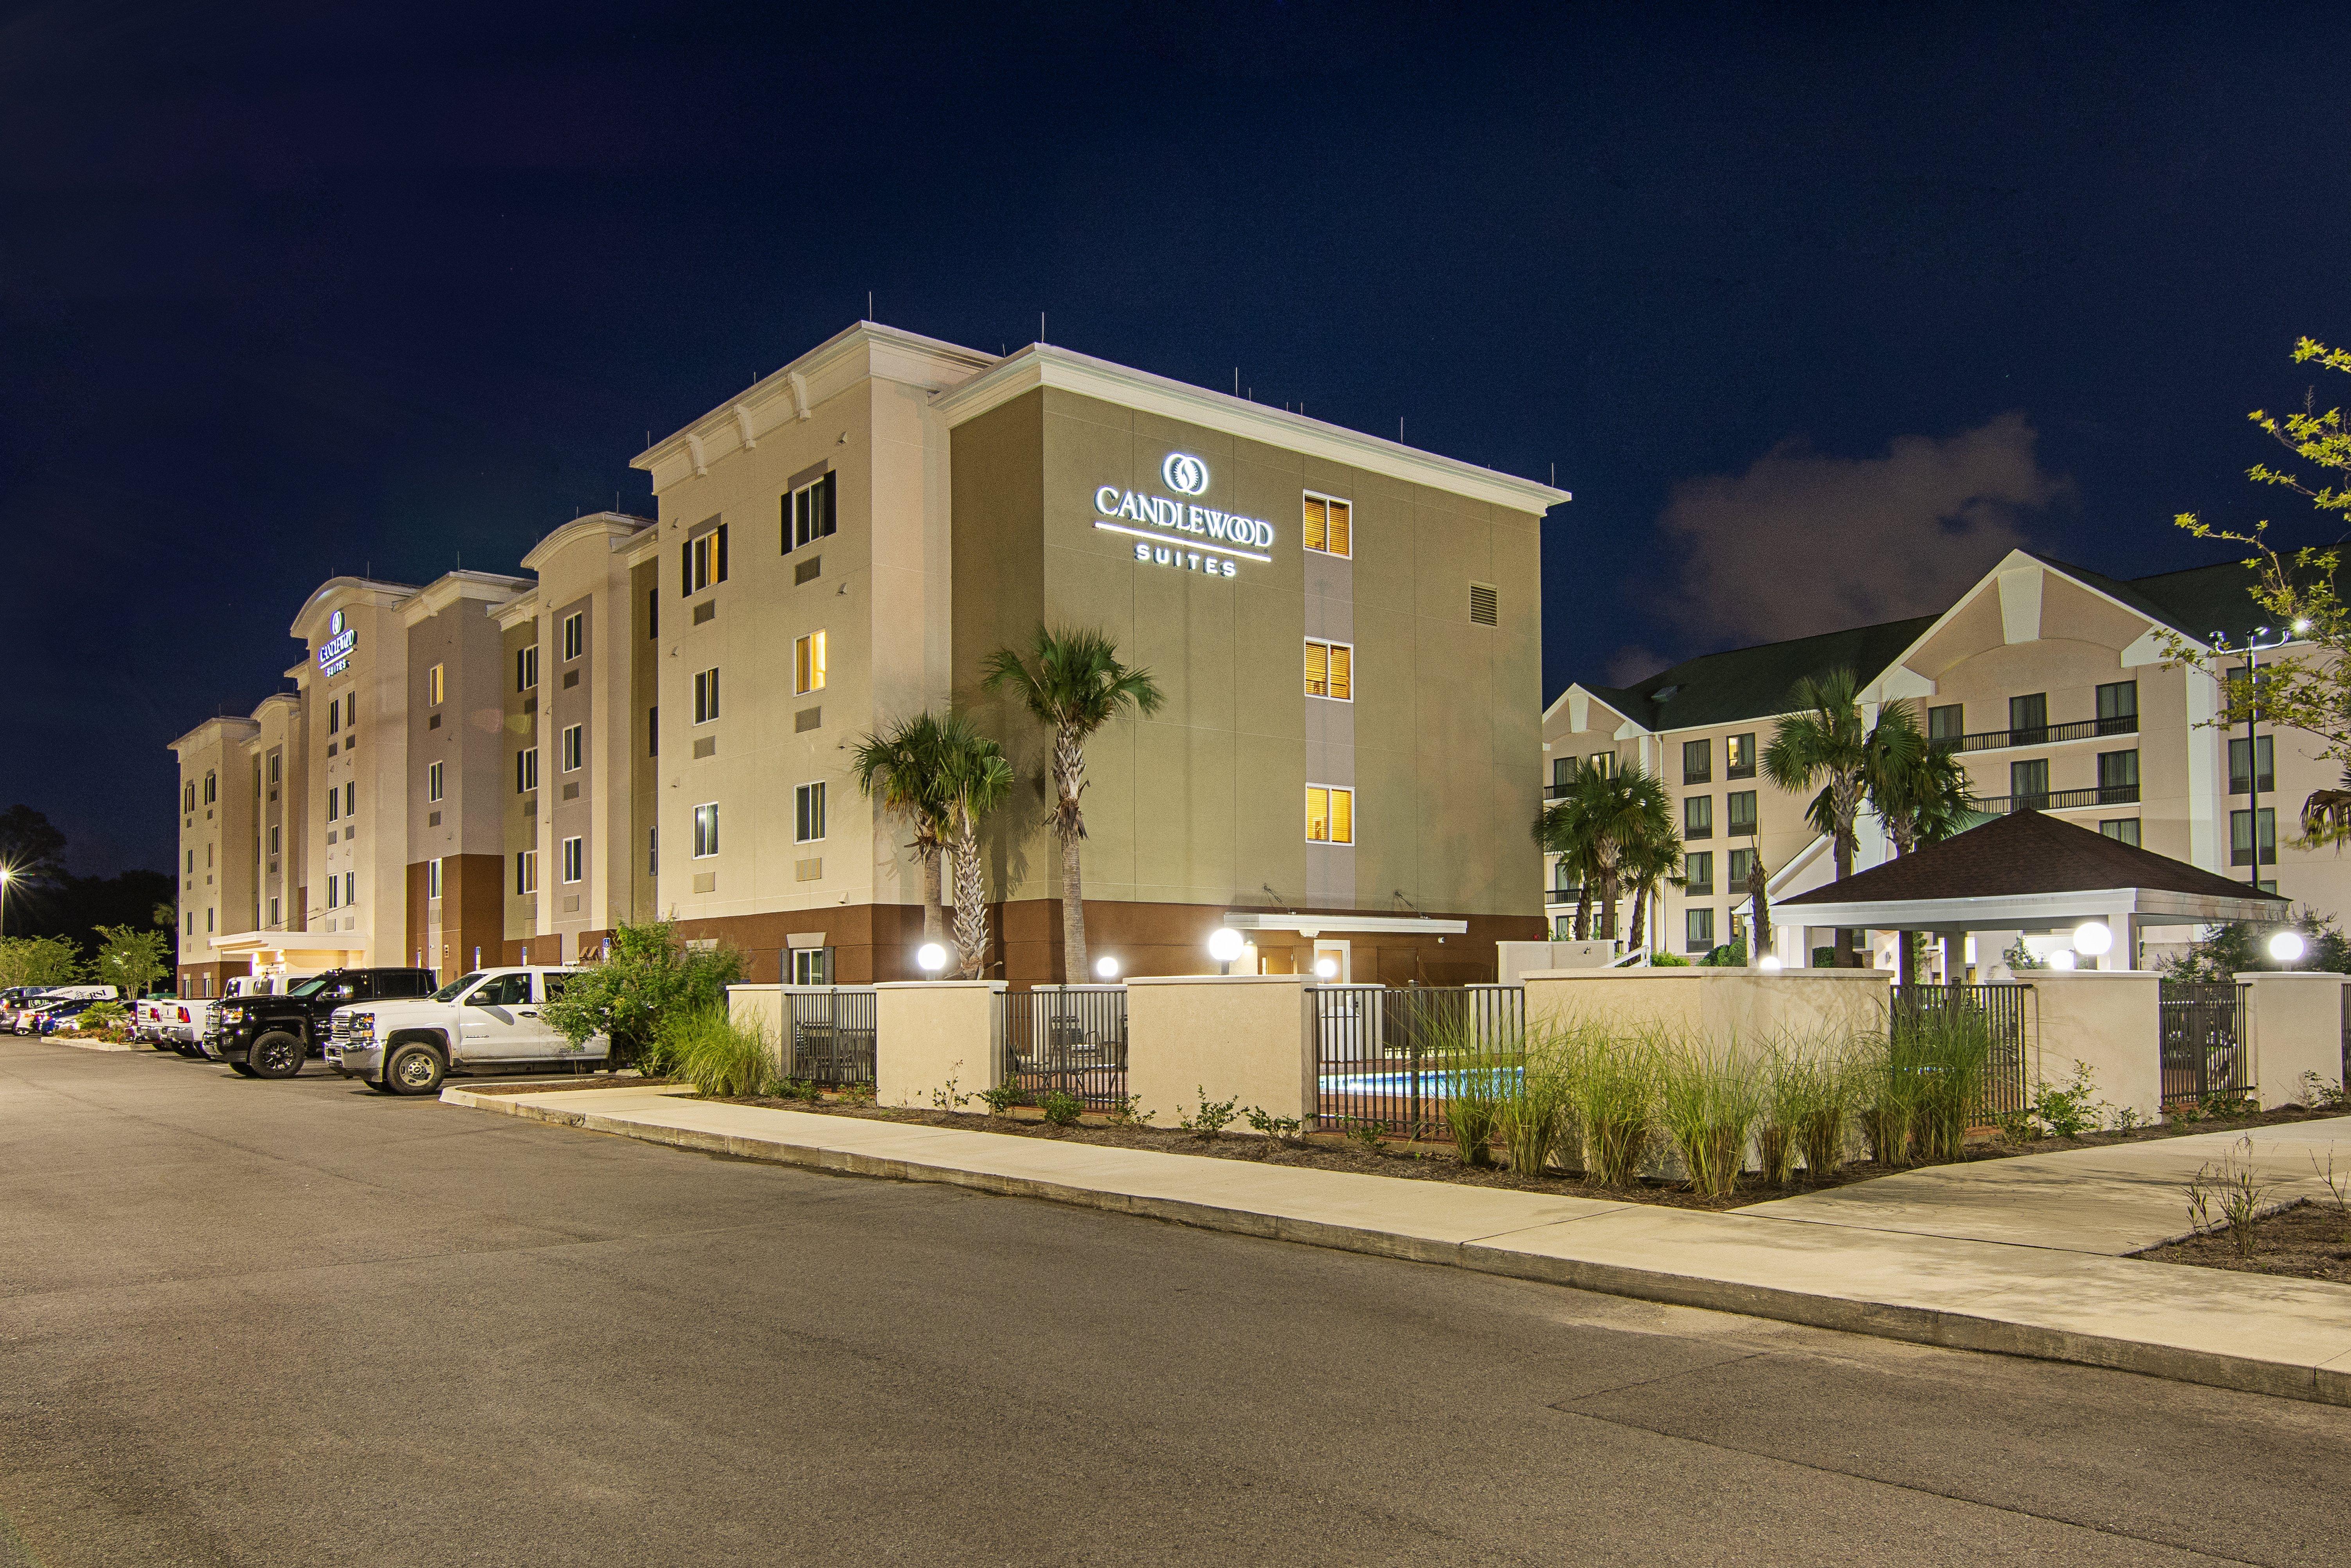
pixel 1183 533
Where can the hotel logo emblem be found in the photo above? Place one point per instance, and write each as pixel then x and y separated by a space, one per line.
pixel 1186 474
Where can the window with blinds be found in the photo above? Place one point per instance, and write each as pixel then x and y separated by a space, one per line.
pixel 1330 671
pixel 1330 814
pixel 1329 525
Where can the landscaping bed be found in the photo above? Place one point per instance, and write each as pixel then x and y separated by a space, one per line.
pixel 2307 1241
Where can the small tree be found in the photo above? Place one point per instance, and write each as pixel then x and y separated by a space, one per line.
pixel 130 958
pixel 975 780
pixel 649 979
pixel 38 961
pixel 905 769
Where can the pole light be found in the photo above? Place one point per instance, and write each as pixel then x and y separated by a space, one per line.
pixel 932 957
pixel 1106 969
pixel 2286 946
pixel 2093 938
pixel 1224 944
pixel 2062 959
pixel 1326 969
pixel 1769 963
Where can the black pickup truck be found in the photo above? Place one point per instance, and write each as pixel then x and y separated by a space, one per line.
pixel 268 1037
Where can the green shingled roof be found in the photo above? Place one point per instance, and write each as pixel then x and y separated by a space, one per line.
pixel 1753 682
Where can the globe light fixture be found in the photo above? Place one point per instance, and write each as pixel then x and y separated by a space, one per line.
pixel 932 957
pixel 1224 944
pixel 1326 969
pixel 1769 963
pixel 1106 967
pixel 2302 625
pixel 2093 938
pixel 2062 959
pixel 2286 946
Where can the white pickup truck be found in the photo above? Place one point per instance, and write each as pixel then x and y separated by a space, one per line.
pixel 486 1022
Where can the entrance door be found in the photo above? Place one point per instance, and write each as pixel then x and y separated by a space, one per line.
pixel 1338 953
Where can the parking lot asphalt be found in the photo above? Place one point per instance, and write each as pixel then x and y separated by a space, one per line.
pixel 246 1321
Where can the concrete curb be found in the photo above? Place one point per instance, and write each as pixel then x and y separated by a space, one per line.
pixel 2327 1383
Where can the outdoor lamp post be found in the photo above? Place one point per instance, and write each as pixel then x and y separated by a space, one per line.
pixel 932 957
pixel 2252 651
pixel 2093 938
pixel 1106 969
pixel 1326 969
pixel 1225 945
pixel 2062 959
pixel 2286 946
pixel 1769 963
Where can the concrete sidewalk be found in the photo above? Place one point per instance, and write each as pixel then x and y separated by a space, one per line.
pixel 1879 1268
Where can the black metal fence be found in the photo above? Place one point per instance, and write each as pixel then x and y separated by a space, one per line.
pixel 2203 1034
pixel 1070 1039
pixel 2001 1012
pixel 830 1033
pixel 1385 1056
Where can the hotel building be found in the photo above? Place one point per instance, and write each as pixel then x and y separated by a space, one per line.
pixel 2052 682
pixel 659 719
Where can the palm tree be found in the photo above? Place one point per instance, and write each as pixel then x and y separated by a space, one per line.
pixel 1611 826
pixel 1073 683
pixel 1822 743
pixel 974 779
pixel 1916 786
pixel 1655 857
pixel 905 768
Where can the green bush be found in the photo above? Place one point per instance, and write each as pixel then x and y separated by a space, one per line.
pixel 1212 1117
pixel 1062 1108
pixel 1661 959
pixel 649 979
pixel 719 1057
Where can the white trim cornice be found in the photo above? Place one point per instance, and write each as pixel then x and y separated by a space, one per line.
pixel 1311 925
pixel 619 526
pixel 1042 365
pixel 455 587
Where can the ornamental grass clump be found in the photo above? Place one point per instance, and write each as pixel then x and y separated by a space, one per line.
pixel 1710 1097
pixel 1824 1080
pixel 720 1058
pixel 1888 1099
pixel 1612 1093
pixel 1946 1053
pixel 1481 1076
pixel 1789 1087
pixel 1538 1121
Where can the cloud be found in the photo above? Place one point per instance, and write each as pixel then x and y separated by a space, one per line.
pixel 1803 543
pixel 1633 661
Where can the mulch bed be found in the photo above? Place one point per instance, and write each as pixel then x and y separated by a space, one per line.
pixel 2309 1241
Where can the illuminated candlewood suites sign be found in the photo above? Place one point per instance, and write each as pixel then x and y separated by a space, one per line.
pixel 1183 533
pixel 336 651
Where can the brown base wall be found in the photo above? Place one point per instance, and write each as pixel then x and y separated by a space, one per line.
pixel 194 977
pixel 877 942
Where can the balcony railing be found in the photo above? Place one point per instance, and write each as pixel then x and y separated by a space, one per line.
pixel 2060 799
pixel 2047 734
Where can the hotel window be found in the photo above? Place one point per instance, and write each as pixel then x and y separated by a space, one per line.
pixel 350 887
pixel 808 823
pixel 273 913
pixel 571 749
pixel 808 664
pixel 1946 723
pixel 334 809
pixel 435 686
pixel 525 667
pixel 1700 870
pixel 808 513
pixel 2027 719
pixel 1698 762
pixel 571 858
pixel 192 923
pixel 652 731
pixel 702 560
pixel 334 716
pixel 352 799
pixel 653 852
pixel 274 830
pixel 191 862
pixel 208 918
pixel 705 831
pixel 2122 830
pixel 811 966
pixel 2261 775
pixel 2028 785
pixel 433 878
pixel 433 782
pixel 2241 837
pixel 1330 815
pixel 1738 757
pixel 212 788
pixel 1330 671
pixel 1563 773
pixel 1697 931
pixel 1329 525
pixel 1698 817
pixel 1741 865
pixel 188 796
pixel 1741 810
pixel 526 871
pixel 351 710
pixel 2117 777
pixel 706 696
pixel 2118 708
pixel 526 769
pixel 575 634
pixel 274 757
pixel 1604 764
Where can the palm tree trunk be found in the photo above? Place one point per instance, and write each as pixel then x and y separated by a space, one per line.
pixel 971 902
pixel 1640 918
pixel 1583 910
pixel 1841 847
pixel 1075 968
pixel 935 913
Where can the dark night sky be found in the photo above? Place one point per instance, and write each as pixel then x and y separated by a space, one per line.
pixel 1815 311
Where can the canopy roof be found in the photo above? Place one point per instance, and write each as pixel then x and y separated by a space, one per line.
pixel 2028 871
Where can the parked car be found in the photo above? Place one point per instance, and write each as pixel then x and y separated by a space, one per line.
pixel 147 1020
pixel 484 1021
pixel 61 1014
pixel 264 1036
pixel 183 1022
pixel 20 1019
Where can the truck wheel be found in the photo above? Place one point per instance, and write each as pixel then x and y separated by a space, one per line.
pixel 277 1055
pixel 242 1070
pixel 414 1069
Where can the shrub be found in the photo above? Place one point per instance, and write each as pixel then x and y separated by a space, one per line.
pixel 1886 1095
pixel 1661 959
pixel 1280 1129
pixel 2230 1193
pixel 1831 1082
pixel 1789 1086
pixel 1123 1112
pixel 650 978
pixel 1538 1121
pixel 1710 1098
pixel 720 1058
pixel 100 1018
pixel 1944 1052
pixel 1062 1108
pixel 1003 1097
pixel 1212 1117
pixel 1613 1090
pixel 2067 1112
pixel 1365 1134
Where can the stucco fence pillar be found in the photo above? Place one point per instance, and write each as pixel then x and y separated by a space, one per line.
pixel 1718 1005
pixel 929 1032
pixel 759 1008
pixel 2109 1020
pixel 1246 1037
pixel 2295 1024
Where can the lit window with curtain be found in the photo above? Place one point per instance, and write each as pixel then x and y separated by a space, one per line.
pixel 1330 814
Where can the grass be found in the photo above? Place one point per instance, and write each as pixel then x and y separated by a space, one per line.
pixel 1538 1122
pixel 1613 1091
pixel 718 1057
pixel 1482 1077
pixel 1709 1100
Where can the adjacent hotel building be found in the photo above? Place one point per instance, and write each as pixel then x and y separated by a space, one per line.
pixel 2050 679
pixel 658 716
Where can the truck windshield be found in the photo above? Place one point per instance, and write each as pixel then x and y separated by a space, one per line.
pixel 456 988
pixel 307 988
